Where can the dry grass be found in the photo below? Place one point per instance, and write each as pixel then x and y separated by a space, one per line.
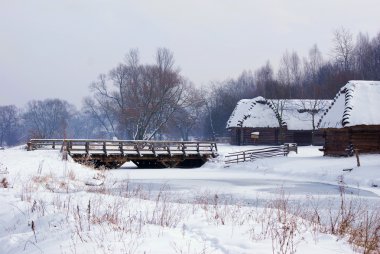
pixel 71 175
pixel 109 211
pixel 4 183
pixel 3 169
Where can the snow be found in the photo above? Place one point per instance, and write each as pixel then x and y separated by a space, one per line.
pixel 212 209
pixel 296 119
pixel 253 113
pixel 258 113
pixel 357 103
pixel 261 116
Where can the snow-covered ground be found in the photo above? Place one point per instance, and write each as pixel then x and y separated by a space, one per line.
pixel 264 206
pixel 307 172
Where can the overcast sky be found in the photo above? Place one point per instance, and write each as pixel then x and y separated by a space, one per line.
pixel 55 49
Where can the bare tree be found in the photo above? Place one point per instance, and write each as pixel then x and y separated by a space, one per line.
pixel 157 96
pixel 263 79
pixel 313 65
pixel 189 116
pixel 136 101
pixel 48 118
pixel 84 126
pixel 295 69
pixel 9 125
pixel 375 59
pixel 363 55
pixel 343 48
pixel 290 71
pixel 102 111
pixel 284 72
pixel 222 99
pixel 313 108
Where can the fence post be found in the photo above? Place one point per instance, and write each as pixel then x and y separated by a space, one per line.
pixel 153 150
pixel 29 146
pixel 243 156
pixel 183 149
pixel 104 148
pixel 87 147
pixel 168 149
pixel 137 149
pixel 286 149
pixel 357 157
pixel 121 148
pixel 69 146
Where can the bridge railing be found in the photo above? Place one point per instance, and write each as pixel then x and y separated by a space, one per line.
pixel 131 147
pixel 252 154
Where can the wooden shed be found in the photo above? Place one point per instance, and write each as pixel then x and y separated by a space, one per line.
pixel 253 116
pixel 275 122
pixel 353 120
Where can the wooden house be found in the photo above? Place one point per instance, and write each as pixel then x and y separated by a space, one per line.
pixel 260 121
pixel 253 116
pixel 353 120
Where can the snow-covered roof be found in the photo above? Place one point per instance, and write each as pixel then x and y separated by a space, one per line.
pixel 261 113
pixel 357 103
pixel 297 113
pixel 253 113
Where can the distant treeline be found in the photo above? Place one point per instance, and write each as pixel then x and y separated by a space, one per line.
pixel 154 101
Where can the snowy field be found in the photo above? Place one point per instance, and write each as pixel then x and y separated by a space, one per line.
pixel 303 203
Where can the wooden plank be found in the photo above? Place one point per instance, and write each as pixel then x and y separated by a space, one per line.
pixel 256 153
pixel 114 153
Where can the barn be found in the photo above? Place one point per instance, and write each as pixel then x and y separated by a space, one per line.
pixel 353 120
pixel 252 116
pixel 261 121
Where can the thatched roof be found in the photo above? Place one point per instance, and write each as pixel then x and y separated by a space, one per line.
pixel 256 112
pixel 264 113
pixel 357 103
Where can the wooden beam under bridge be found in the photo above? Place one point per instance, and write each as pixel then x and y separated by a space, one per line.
pixel 143 153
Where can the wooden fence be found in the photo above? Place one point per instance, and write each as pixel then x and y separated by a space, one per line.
pixel 252 154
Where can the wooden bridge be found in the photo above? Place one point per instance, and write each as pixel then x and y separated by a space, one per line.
pixel 144 154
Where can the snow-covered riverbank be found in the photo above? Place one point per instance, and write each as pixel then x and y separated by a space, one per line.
pixel 53 206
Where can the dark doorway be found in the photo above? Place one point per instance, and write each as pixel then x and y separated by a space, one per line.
pixel 303 138
pixel 238 137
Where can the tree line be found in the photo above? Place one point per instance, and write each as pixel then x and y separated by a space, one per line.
pixel 309 77
pixel 155 101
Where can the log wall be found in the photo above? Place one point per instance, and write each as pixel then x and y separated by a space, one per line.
pixel 267 136
pixel 242 136
pixel 318 139
pixel 274 136
pixel 304 137
pixel 364 138
pixel 336 142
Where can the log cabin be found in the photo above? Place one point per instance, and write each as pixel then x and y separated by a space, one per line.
pixel 261 121
pixel 352 121
pixel 254 116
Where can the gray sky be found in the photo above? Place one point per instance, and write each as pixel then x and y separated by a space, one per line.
pixel 55 49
